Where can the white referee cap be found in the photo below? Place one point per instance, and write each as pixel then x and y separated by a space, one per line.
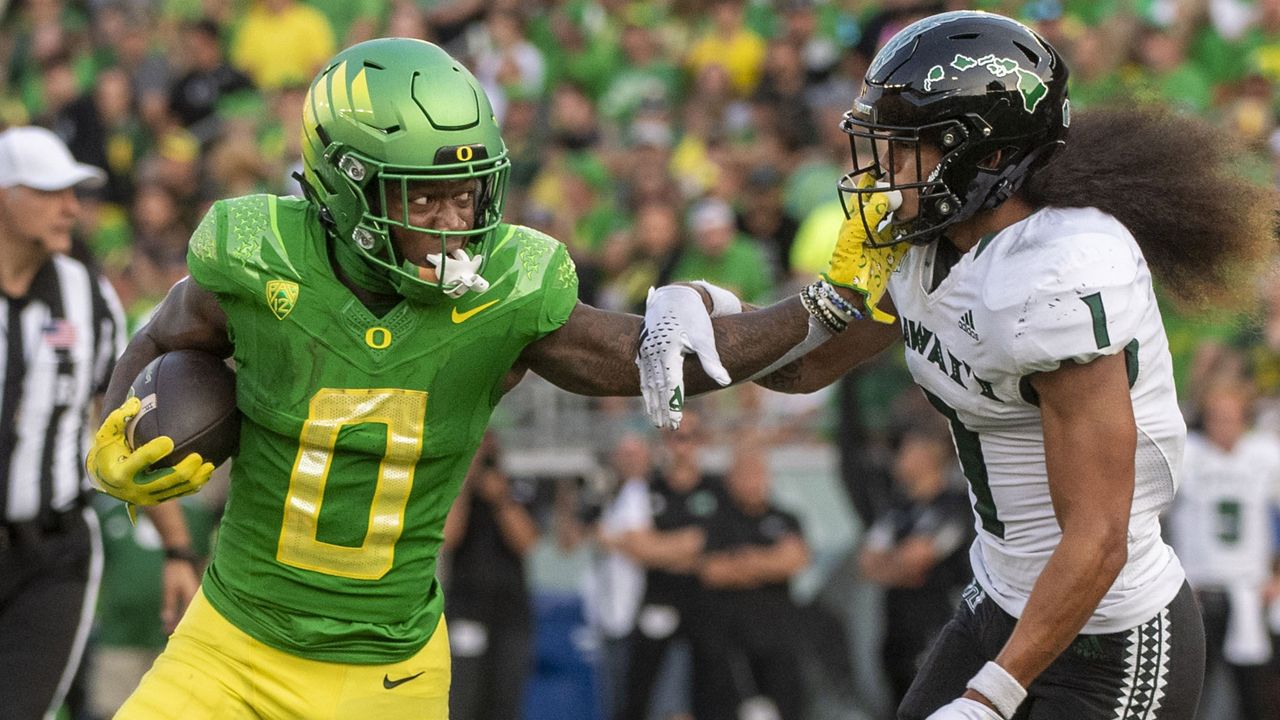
pixel 35 157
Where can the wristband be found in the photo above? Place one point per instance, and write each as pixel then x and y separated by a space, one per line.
pixel 185 554
pixel 723 302
pixel 997 685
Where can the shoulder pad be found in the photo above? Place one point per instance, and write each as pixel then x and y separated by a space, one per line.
pixel 1062 250
pixel 243 240
pixel 537 259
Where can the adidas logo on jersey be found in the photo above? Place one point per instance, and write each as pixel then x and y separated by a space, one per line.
pixel 966 324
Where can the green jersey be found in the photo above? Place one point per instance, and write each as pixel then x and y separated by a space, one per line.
pixel 357 429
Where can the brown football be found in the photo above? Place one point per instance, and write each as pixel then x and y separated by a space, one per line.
pixel 191 397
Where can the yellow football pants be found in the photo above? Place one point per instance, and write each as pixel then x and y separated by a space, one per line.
pixel 211 670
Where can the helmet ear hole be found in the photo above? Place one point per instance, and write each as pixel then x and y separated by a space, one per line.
pixel 991 163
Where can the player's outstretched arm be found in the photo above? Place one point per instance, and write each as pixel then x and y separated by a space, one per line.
pixel 594 352
pixel 847 314
pixel 679 326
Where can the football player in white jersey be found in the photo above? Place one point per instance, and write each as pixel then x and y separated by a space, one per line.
pixel 1019 248
pixel 1220 524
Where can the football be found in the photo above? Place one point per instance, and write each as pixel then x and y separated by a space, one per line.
pixel 191 397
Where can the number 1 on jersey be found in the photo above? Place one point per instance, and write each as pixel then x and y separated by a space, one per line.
pixel 404 414
pixel 969 448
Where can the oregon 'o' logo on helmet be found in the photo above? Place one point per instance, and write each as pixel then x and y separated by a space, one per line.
pixel 386 113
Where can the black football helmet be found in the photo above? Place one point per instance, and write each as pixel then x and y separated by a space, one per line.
pixel 987 91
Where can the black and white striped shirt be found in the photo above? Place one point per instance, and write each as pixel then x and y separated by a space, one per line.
pixel 58 345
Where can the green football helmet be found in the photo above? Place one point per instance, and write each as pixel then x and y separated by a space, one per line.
pixel 381 115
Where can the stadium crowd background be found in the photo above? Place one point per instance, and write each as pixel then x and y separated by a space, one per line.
pixel 660 141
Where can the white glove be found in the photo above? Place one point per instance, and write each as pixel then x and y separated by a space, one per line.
pixel 676 323
pixel 964 709
pixel 461 273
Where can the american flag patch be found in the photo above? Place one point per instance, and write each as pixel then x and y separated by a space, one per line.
pixel 59 334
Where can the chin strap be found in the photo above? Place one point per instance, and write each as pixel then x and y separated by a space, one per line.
pixel 1011 178
pixel 351 263
pixel 360 270
pixel 313 197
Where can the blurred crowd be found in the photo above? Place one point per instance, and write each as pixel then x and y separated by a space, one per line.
pixel 659 140
pixel 665 140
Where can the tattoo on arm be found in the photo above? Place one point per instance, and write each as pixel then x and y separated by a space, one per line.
pixel 825 364
pixel 786 379
pixel 753 340
pixel 750 341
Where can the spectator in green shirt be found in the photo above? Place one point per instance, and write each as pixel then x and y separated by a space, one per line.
pixel 646 77
pixel 720 255
pixel 642 257
pixel 579 39
pixel 352 21
pixel 1168 76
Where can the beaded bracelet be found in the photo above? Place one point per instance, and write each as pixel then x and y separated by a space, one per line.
pixel 825 313
pixel 843 307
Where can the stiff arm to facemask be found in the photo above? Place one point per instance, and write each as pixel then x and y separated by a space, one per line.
pixel 863 268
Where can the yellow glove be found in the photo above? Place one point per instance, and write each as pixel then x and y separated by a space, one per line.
pixel 862 268
pixel 126 474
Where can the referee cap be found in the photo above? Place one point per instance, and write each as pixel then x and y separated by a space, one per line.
pixel 37 158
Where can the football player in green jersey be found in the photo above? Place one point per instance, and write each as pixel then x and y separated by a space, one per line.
pixel 374 324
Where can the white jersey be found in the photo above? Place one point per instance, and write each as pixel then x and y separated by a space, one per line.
pixel 614 586
pixel 1221 522
pixel 1063 284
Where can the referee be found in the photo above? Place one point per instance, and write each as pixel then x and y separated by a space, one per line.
pixel 60 331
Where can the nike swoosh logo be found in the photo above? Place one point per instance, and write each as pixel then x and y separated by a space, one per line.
pixel 461 317
pixel 388 683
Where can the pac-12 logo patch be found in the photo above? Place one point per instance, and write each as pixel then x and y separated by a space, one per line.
pixel 282 295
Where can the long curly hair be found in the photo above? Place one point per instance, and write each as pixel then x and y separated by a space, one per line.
pixel 1175 182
